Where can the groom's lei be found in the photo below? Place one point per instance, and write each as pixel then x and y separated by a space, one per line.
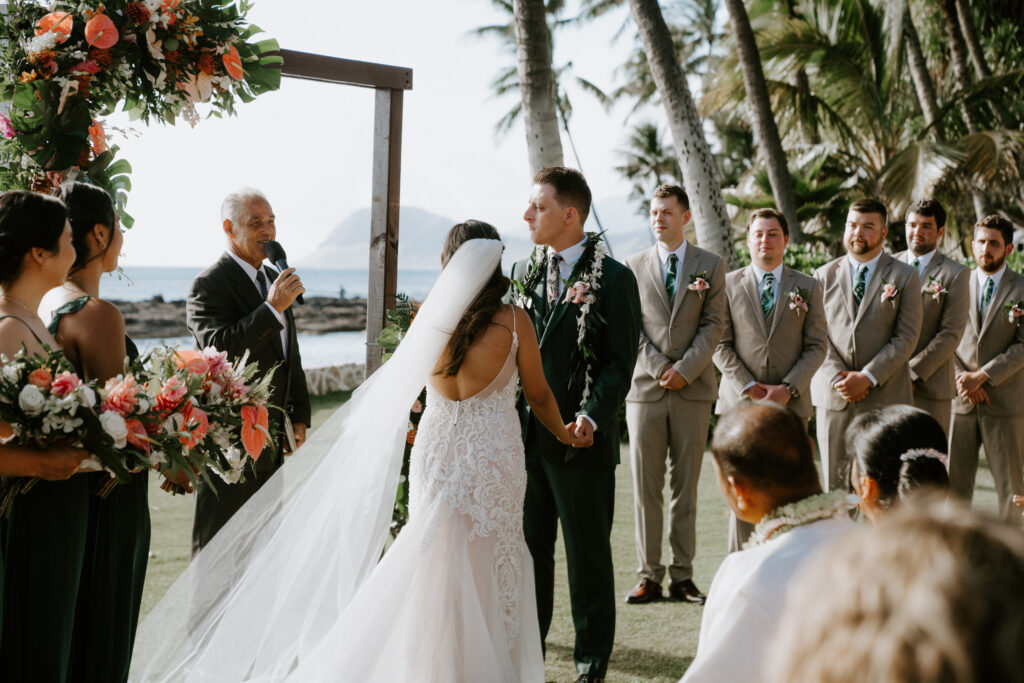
pixel 582 290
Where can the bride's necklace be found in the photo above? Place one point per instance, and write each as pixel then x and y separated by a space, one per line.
pixel 802 512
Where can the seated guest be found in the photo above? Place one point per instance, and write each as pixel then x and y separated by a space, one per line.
pixel 930 594
pixel 765 466
pixel 896 453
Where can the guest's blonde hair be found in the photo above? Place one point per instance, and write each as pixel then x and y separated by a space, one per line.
pixel 930 595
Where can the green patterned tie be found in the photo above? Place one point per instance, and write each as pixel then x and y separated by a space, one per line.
pixel 986 296
pixel 670 276
pixel 767 293
pixel 916 263
pixel 858 287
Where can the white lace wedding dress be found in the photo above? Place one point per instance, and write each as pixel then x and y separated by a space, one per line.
pixel 293 588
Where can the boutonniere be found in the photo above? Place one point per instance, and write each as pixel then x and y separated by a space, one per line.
pixel 934 287
pixel 579 293
pixel 889 292
pixel 1014 312
pixel 699 282
pixel 798 300
pixel 523 288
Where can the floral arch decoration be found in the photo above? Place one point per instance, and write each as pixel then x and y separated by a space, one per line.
pixel 67 64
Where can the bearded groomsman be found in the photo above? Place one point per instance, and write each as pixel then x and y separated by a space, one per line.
pixel 989 407
pixel 873 309
pixel 668 408
pixel 944 309
pixel 775 333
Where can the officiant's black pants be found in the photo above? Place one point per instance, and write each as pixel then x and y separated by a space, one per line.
pixel 583 499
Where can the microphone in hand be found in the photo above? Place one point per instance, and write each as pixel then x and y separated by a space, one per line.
pixel 275 253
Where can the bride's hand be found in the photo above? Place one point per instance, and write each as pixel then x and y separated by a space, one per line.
pixel 566 437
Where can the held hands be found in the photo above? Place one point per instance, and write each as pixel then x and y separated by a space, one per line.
pixel 578 434
pixel 59 462
pixel 777 393
pixel 285 290
pixel 670 379
pixel 969 385
pixel 853 386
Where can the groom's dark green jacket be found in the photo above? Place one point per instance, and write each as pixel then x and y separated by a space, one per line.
pixel 618 301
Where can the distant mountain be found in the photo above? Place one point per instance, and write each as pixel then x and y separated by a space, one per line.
pixel 421 234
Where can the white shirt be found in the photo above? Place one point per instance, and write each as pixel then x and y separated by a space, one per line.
pixel 570 257
pixel 251 273
pixel 983 277
pixel 746 600
pixel 922 261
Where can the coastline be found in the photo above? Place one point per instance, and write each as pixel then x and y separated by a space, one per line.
pixel 156 318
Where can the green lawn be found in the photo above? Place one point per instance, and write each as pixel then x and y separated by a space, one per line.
pixel 652 643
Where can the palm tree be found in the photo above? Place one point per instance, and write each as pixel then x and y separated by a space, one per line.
pixel 647 163
pixel 537 84
pixel 699 173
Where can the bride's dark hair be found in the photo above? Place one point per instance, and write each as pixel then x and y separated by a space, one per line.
pixel 479 314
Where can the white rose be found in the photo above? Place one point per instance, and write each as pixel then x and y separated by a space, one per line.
pixel 31 399
pixel 11 372
pixel 88 396
pixel 114 425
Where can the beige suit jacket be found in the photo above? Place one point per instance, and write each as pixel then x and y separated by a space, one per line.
pixel 995 345
pixel 788 346
pixel 683 332
pixel 943 320
pixel 878 337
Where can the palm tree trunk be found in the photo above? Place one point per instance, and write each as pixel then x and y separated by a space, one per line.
pixel 966 21
pixel 537 83
pixel 764 120
pixel 922 78
pixel 700 176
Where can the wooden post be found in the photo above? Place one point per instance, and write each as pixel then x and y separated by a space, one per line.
pixel 387 162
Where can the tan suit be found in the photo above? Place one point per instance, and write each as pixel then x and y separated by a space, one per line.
pixel 684 333
pixel 942 325
pixel 995 345
pixel 876 337
pixel 787 346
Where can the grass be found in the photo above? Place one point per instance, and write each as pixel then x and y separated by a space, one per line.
pixel 654 642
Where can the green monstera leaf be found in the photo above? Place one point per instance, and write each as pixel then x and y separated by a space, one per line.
pixel 53 139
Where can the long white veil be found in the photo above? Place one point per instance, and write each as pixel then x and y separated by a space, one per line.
pixel 264 592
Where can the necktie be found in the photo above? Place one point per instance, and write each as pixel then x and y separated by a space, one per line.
pixel 261 283
pixel 553 276
pixel 858 287
pixel 767 293
pixel 986 296
pixel 916 263
pixel 671 275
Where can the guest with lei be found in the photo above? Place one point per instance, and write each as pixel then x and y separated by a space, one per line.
pixel 896 454
pixel 765 468
pixel 44 537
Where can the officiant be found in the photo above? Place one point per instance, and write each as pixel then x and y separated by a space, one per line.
pixel 241 305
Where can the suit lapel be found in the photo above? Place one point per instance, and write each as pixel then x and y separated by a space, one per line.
pixel 998 297
pixel 653 268
pixel 846 286
pixel 749 284
pixel 289 317
pixel 785 285
pixel 241 282
pixel 933 268
pixel 880 275
pixel 975 318
pixel 560 306
pixel 688 268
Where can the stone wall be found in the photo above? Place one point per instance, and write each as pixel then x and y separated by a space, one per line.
pixel 334 378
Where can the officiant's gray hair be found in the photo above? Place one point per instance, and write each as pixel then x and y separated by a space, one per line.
pixel 234 206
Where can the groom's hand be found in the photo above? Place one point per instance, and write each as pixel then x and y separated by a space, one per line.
pixel 584 433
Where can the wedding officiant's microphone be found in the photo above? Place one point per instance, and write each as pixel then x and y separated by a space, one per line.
pixel 275 252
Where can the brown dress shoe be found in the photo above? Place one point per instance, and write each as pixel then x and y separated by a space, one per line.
pixel 686 591
pixel 645 591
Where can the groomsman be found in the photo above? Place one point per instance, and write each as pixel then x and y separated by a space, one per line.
pixel 989 407
pixel 775 333
pixel 873 309
pixel 945 302
pixel 668 408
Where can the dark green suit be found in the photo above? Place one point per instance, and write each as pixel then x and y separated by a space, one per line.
pixel 580 492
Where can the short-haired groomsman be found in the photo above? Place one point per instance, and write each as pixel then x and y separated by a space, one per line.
pixel 989 407
pixel 873 309
pixel 944 309
pixel 775 332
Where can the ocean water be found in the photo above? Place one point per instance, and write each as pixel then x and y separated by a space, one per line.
pixel 138 283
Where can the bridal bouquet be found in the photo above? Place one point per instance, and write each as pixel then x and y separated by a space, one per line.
pixel 45 402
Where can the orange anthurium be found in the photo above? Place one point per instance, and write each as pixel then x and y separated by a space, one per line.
pixel 233 63
pixel 100 32
pixel 58 22
pixel 196 424
pixel 137 435
pixel 254 430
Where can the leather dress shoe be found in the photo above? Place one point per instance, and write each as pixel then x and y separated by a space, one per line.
pixel 589 678
pixel 646 591
pixel 686 591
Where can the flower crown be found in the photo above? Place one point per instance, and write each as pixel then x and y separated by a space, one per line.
pixel 915 453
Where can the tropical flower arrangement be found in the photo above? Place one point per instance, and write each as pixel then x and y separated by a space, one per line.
pixel 401 318
pixel 935 288
pixel 798 299
pixel 1014 312
pixel 65 64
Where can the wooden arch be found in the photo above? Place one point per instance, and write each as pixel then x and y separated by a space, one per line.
pixel 390 82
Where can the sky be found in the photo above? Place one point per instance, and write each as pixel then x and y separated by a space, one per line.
pixel 308 146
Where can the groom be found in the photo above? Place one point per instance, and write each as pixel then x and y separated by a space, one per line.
pixel 567 271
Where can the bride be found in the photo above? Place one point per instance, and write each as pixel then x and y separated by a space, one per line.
pixel 291 588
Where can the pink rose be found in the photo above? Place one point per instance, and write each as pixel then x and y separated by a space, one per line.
pixel 120 395
pixel 171 393
pixel 65 383
pixel 889 292
pixel 40 377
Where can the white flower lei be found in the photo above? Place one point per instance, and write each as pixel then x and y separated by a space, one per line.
pixel 805 511
pixel 592 278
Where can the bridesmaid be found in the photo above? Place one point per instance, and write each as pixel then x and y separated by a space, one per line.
pixel 92 333
pixel 43 541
